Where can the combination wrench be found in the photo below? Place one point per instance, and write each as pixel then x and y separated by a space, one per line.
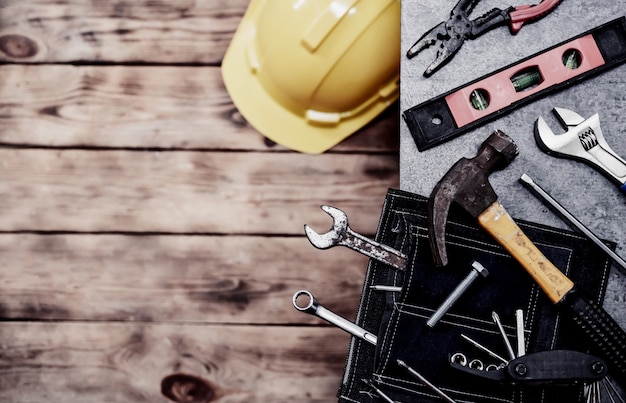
pixel 342 234
pixel 314 308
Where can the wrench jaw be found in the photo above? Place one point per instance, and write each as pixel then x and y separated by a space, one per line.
pixel 583 141
pixel 320 241
pixel 567 117
pixel 334 236
pixel 566 145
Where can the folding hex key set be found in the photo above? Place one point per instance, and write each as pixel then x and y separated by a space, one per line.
pixel 576 372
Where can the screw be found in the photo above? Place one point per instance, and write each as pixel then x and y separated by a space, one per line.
pixel 521 369
pixel 477 269
pixel 597 367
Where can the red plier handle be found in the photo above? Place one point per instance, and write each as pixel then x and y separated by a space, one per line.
pixel 522 14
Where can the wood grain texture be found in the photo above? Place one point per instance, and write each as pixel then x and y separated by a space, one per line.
pixel 187 192
pixel 126 362
pixel 141 107
pixel 181 31
pixel 148 233
pixel 203 279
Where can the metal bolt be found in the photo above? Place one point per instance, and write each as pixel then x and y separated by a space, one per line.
pixel 521 369
pixel 597 367
pixel 477 269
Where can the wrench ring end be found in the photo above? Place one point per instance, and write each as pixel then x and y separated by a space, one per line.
pixel 310 307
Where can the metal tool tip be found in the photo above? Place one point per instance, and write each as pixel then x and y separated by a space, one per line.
pixel 526 179
pixel 402 364
pixel 480 268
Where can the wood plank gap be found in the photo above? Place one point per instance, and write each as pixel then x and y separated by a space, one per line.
pixel 157 233
pixel 82 147
pixel 136 63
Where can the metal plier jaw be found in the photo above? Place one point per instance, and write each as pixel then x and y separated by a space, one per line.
pixel 552 366
pixel 452 33
pixel 582 141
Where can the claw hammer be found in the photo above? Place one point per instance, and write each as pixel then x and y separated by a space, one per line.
pixel 467 184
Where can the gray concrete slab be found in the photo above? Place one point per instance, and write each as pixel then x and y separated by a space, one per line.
pixel 588 195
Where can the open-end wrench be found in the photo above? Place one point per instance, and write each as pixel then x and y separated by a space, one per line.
pixel 342 234
pixel 314 308
pixel 583 141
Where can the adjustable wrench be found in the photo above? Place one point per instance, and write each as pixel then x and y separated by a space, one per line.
pixel 584 141
pixel 342 234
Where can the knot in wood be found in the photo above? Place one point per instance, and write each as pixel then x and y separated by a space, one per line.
pixel 184 388
pixel 18 46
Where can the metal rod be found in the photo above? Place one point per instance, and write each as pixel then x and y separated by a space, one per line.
pixel 485 349
pixel 477 271
pixel 425 382
pixel 507 343
pixel 378 391
pixel 519 329
pixel 389 288
pixel 527 180
pixel 613 389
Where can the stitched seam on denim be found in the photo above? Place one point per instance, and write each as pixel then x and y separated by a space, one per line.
pixel 557 321
pixel 405 309
pixel 393 318
pixel 366 307
pixel 604 280
pixel 531 315
pixel 411 388
pixel 397 322
pixel 392 211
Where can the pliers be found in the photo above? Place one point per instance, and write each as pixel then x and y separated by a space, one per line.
pixel 453 32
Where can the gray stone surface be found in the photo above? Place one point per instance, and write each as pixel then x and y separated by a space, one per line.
pixel 587 194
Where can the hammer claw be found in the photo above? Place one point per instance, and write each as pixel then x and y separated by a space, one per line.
pixel 467 184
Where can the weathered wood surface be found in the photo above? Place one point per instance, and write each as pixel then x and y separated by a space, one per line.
pixel 188 192
pixel 143 107
pixel 201 279
pixel 127 362
pixel 147 230
pixel 169 32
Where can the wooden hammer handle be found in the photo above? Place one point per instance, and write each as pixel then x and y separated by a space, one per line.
pixel 497 222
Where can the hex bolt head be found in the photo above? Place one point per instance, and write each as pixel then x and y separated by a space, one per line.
pixel 521 369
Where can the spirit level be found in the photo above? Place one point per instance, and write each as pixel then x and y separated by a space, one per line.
pixel 459 110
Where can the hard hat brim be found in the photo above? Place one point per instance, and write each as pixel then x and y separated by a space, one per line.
pixel 273 120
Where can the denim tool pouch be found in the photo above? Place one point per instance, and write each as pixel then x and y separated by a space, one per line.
pixel 399 318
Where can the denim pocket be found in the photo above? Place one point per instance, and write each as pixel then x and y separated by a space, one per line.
pixel 400 317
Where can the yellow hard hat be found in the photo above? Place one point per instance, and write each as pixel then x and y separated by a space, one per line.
pixel 309 73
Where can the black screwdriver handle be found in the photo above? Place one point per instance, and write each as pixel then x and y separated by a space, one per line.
pixel 606 335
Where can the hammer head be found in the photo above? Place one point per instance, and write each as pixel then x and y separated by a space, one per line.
pixel 467 184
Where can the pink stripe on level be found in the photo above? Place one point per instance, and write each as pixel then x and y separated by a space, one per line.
pixel 501 91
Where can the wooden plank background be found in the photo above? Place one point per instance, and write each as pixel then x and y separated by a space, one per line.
pixel 146 230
